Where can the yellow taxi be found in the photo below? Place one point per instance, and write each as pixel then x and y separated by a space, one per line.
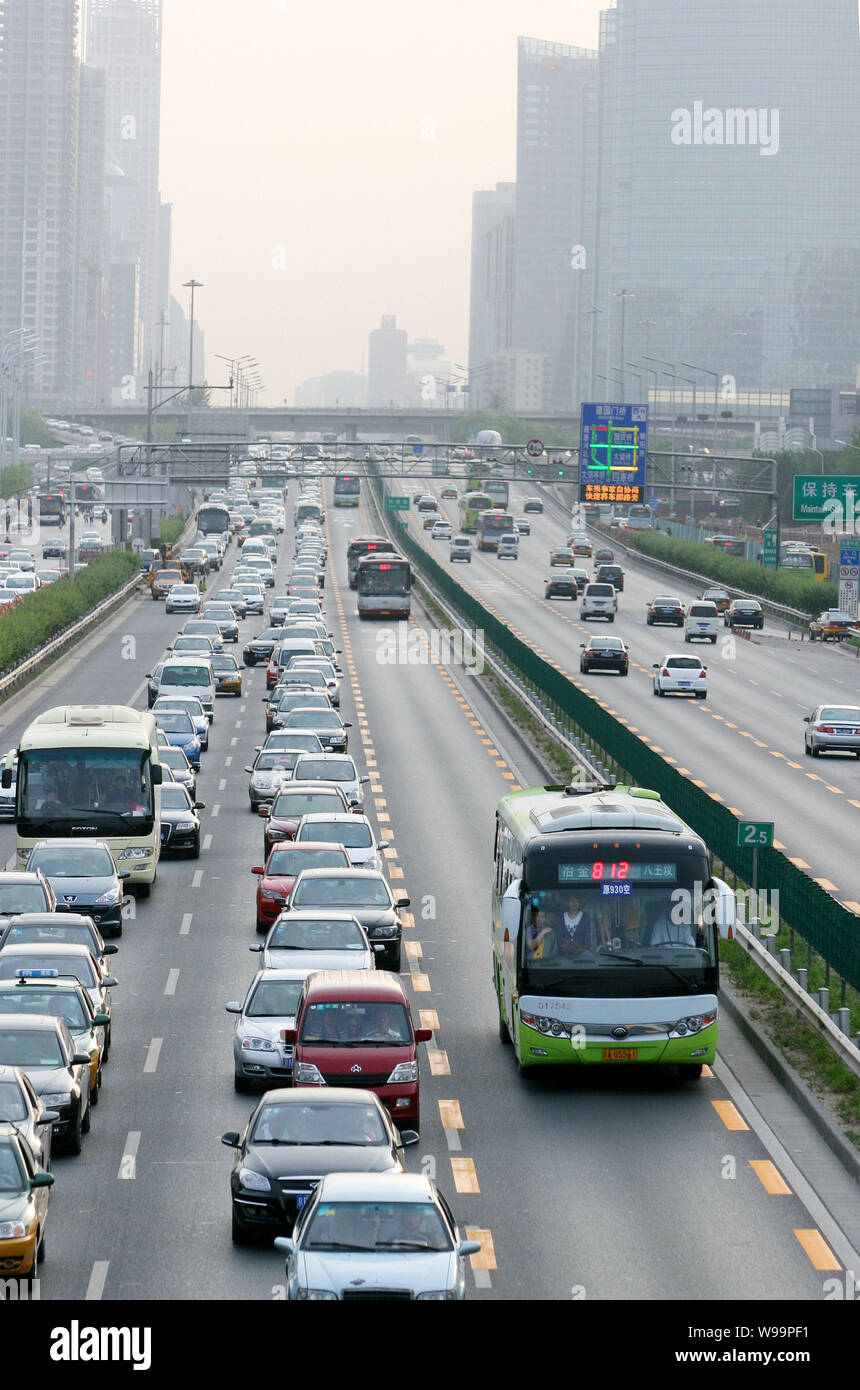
pixel 579 544
pixel 227 673
pixel 717 596
pixel 563 555
pixel 449 491
pixel 833 626
pixel 24 1197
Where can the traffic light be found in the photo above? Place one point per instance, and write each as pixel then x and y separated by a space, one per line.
pixel 565 472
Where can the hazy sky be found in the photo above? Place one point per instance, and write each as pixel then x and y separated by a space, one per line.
pixel 321 156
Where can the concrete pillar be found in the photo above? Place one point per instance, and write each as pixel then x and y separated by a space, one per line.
pixel 802 977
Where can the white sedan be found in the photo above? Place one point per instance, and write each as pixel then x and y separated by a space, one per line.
pixel 441 531
pixel 678 674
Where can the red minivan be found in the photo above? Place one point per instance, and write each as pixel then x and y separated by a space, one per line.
pixel 354 1028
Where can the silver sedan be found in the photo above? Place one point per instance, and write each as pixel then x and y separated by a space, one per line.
pixel 259 1052
pixel 832 729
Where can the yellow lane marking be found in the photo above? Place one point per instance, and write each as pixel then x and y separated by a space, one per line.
pixel 706 1070
pixel 797 862
pixel 387 834
pixel 715 796
pixel 777 844
pixel 383 818
pixel 813 776
pixel 465 1177
pixel 420 983
pixel 854 907
pixel 855 803
pixel 758 743
pixel 508 776
pixel 774 753
pixel 791 764
pixel 486 741
pixel 836 790
pixel 685 771
pixel 745 734
pixel 493 752
pixel 439 1064
pixel 729 1114
pixel 516 787
pixel 816 1247
pixel 825 883
pixel 500 762
pixel 428 1018
pixel 697 782
pixel 394 872
pixel 770 1177
pixel 452 1117
pixel 390 852
pixel 479 730
pixel 486 1256
pixel 729 725
pixel 408 921
pixel 380 803
pixel 414 950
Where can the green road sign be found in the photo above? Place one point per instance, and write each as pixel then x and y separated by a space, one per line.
pixel 396 504
pixel 769 549
pixel 756 833
pixel 815 494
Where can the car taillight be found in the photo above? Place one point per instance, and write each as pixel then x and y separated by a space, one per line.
pixel 666 671
pixel 826 729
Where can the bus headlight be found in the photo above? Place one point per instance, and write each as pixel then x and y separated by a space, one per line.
pixel 556 1027
pixel 138 853
pixel 694 1023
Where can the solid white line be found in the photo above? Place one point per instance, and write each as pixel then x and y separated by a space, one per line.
pixel 152 1055
pixel 98 1278
pixel 128 1162
pixel 197 879
pixel 207 842
pixel 172 981
pixel 186 924
pixel 222 784
pixel 139 691
pixel 216 810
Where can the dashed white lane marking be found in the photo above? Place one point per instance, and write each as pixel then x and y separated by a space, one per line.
pixel 222 785
pixel 152 1054
pixel 207 842
pixel 197 879
pixel 186 924
pixel 172 981
pixel 233 742
pixel 98 1279
pixel 216 810
pixel 128 1162
pixel 228 761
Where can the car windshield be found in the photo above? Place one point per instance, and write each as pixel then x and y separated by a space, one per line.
pixel 220 612
pixel 186 675
pixel 184 590
pixel 13 1179
pixel 289 862
pixel 178 723
pixel 327 1123
pixel 22 897
pixel 302 699
pixel 174 798
pixel 224 665
pixel 840 713
pixel 314 719
pixel 376 1226
pixel 332 891
pixel 57 1003
pixel 73 862
pixel 317 934
pixel 170 702
pixel 77 963
pixel 274 999
pixel 271 762
pixel 353 833
pixel 297 804
pixel 30 1047
pixel 54 933
pixel 12 1102
pixel 326 770
pixel 174 758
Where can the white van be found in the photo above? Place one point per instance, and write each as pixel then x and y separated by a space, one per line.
pixel 701 621
pixel 599 601
pixel 189 677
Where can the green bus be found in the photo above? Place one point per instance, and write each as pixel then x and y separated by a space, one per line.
pixel 606 919
pixel 468 508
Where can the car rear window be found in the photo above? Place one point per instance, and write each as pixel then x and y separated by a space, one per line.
pixel 600 591
pixel 303 803
pixel 703 610
pixel 684 662
pixel 292 861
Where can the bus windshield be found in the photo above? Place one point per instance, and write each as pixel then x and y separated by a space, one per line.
pixel 500 522
pixel 385 578
pixel 103 790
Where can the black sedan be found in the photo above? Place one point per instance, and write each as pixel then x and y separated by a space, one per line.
pixel 292 1140
pixel 604 654
pixel 260 648
pixel 180 823
pixel 744 612
pixel 533 504
pixel 561 586
pixel 665 608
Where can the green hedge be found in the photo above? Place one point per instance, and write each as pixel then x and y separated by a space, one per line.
pixel 41 616
pixel 171 529
pixel 809 595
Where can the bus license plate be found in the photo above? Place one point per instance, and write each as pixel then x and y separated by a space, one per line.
pixel 301 1198
pixel 618 1054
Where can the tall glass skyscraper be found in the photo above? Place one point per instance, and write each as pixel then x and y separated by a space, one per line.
pixel 724 145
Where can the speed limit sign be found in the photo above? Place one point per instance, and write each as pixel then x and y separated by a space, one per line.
pixel 534 448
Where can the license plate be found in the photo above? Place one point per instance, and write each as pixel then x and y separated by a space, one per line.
pixel 684 685
pixel 288 1063
pixel 702 627
pixel 618 1054
pixel 301 1198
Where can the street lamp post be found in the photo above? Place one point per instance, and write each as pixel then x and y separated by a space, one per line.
pixel 623 295
pixel 593 311
pixel 709 372
pixel 191 285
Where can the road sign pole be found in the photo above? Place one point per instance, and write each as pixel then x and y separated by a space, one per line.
pixel 755 870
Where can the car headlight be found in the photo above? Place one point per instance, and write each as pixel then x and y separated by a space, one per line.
pixel 254 1182
pixel 316 1295
pixel 113 895
pixel 185 825
pixel 10 1229
pixel 403 1072
pixel 440 1295
pixel 135 854
pixel 306 1074
pixel 259 1044
pixel 694 1023
pixel 382 933
pixel 57 1098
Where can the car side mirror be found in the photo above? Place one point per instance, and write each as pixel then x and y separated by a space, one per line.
pixel 231 1139
pixel 364 779
pixel 48 1117
pixel 655 665
pixel 42 1180
pixel 6 778
pixel 234 1007
pixel 409 1136
pixel 110 948
pixel 124 873
pixel 468 1247
pixel 402 902
pixel 80 1059
pixel 284 1244
pixel 110 982
pixel 423 1034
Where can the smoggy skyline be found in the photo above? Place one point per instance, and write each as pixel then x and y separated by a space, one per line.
pixel 321 156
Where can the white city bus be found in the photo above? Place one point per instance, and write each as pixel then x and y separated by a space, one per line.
pixel 91 770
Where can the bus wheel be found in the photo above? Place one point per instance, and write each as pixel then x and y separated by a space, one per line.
pixel 504 1035
pixel 690 1071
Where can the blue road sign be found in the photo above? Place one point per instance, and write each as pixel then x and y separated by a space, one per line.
pixel 613 449
pixel 849 557
pixel 418 449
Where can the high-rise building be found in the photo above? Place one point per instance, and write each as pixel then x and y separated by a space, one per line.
pixel 90 346
pixel 492 280
pixel 38 136
pixel 124 38
pixel 723 141
pixel 554 87
pixel 428 373
pixel 517 380
pixel 386 364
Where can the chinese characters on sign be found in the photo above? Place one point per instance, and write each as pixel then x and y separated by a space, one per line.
pixel 611 492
